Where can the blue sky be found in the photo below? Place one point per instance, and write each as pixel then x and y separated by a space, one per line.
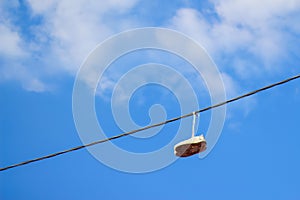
pixel 253 43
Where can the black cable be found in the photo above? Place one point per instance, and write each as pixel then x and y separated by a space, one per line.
pixel 151 126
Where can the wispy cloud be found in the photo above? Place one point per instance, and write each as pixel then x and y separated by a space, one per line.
pixel 248 40
pixel 250 37
pixel 12 53
pixel 76 27
pixel 62 33
pixel 10 42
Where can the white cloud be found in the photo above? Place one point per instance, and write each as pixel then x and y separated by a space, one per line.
pixel 256 34
pixel 10 42
pixel 76 27
pixel 64 35
pixel 249 37
pixel 11 53
pixel 29 81
pixel 230 85
pixel 255 13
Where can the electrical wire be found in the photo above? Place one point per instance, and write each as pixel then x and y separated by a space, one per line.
pixel 151 126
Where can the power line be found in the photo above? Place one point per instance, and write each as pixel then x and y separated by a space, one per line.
pixel 151 126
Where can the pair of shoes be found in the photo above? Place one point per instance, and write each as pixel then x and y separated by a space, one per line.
pixel 190 147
